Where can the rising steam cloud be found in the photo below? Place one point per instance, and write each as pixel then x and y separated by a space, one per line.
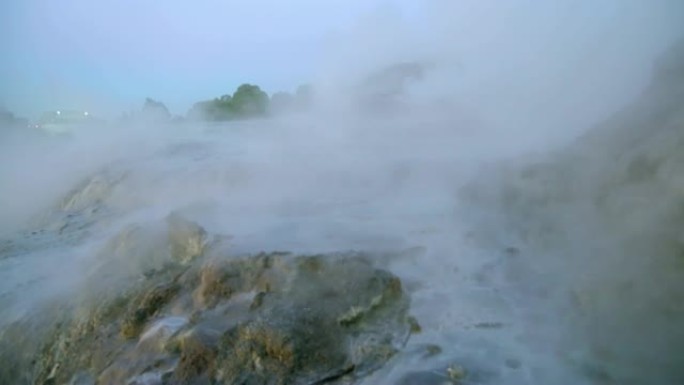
pixel 460 129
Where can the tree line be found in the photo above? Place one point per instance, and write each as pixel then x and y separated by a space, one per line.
pixel 248 101
pixel 380 91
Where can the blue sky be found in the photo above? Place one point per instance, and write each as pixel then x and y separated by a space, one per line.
pixel 108 55
pixel 120 51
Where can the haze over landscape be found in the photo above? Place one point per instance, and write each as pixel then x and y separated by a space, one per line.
pixel 357 192
pixel 110 55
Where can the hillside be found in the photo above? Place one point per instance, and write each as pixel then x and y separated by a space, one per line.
pixel 603 219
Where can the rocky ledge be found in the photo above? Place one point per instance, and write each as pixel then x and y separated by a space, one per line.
pixel 169 305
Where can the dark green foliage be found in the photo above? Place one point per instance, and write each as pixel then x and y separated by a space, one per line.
pixel 218 109
pixel 250 101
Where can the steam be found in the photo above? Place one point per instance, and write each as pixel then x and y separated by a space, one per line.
pixel 413 105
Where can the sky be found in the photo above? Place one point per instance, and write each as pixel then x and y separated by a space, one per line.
pixel 121 51
pixel 108 55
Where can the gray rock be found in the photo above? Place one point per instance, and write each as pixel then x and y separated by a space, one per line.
pixel 206 318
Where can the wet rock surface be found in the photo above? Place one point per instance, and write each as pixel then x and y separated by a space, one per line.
pixel 172 306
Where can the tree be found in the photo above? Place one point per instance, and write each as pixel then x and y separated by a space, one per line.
pixel 218 109
pixel 222 108
pixel 202 110
pixel 249 101
pixel 155 110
